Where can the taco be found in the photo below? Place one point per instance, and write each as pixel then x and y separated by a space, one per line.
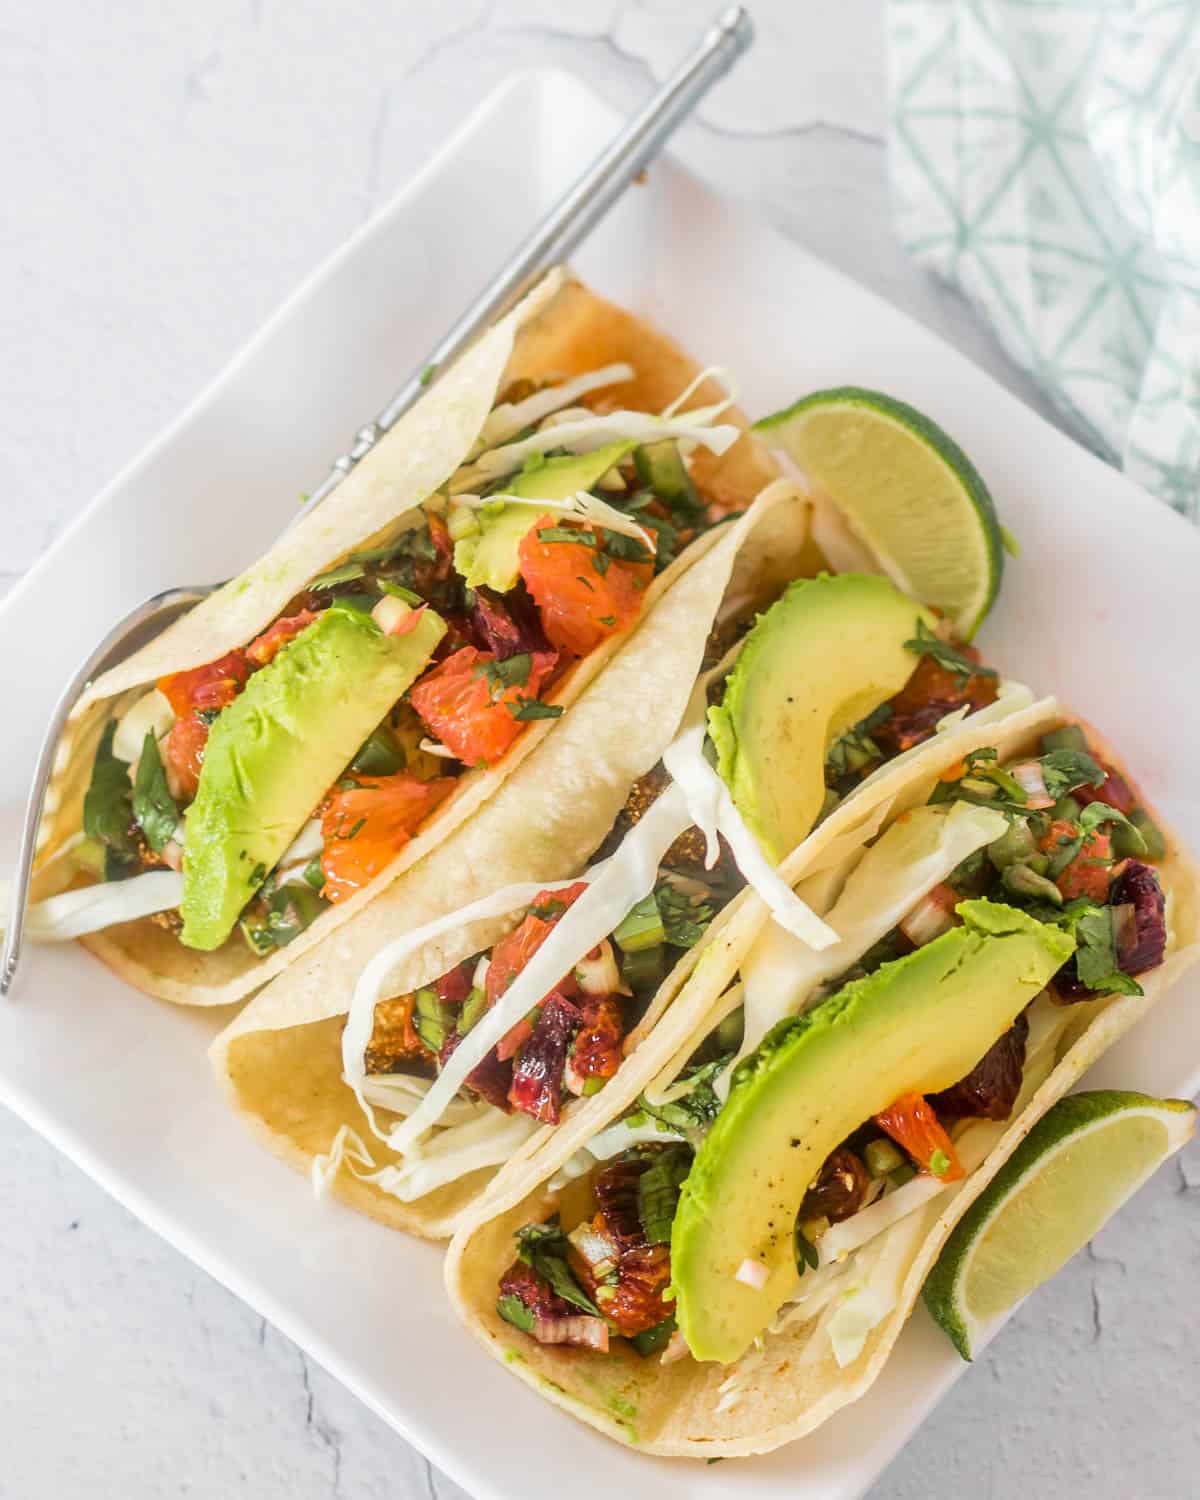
pixel 721 1250
pixel 249 781
pixel 602 879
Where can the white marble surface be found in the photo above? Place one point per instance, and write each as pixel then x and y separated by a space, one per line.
pixel 170 172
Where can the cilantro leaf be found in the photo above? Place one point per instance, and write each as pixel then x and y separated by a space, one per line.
pixel 695 1109
pixel 153 806
pixel 581 536
pixel 684 919
pixel 514 1311
pixel 526 709
pixel 502 675
pixel 1096 954
pixel 658 1192
pixel 108 803
pixel 544 1247
pixel 928 644
pixel 1064 770
pixel 625 548
pixel 1097 813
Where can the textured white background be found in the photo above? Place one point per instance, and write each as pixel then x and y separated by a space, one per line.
pixel 170 171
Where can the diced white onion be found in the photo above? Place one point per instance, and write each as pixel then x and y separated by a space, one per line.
pixel 1033 783
pixel 390 613
pixel 930 917
pixel 583 1331
pixel 752 1273
pixel 595 1248
pixel 432 747
pixel 600 975
pixel 676 1349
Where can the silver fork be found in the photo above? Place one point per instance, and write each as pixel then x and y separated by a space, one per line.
pixel 564 227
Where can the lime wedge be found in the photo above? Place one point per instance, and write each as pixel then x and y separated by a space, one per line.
pixel 908 491
pixel 1077 1165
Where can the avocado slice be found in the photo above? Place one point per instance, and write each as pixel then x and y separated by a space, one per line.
pixel 918 1024
pixel 827 653
pixel 489 556
pixel 275 751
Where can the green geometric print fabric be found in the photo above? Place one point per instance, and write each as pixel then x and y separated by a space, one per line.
pixel 1045 160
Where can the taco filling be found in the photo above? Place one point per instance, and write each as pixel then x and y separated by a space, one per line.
pixel 776 1173
pixel 285 776
pixel 546 1014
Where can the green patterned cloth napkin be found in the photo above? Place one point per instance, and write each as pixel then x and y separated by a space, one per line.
pixel 1045 159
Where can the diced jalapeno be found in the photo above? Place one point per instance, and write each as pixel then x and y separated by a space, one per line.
pixel 472 1008
pixel 1154 846
pixel 882 1158
pixel 1014 846
pixel 431 1019
pixel 314 874
pixel 1066 810
pixel 731 1030
pixel 1069 737
pixel 382 754
pixel 1023 881
pixel 660 466
pixel 644 969
pixel 641 928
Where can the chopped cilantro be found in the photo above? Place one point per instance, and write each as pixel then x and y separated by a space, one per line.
pixel 1064 770
pixel 1096 955
pixel 928 644
pixel 427 374
pixel 658 1192
pixel 544 1247
pixel 514 1311
pixel 108 807
pixel 527 709
pixel 548 910
pixel 153 806
pixel 502 675
pixel 684 919
pixel 580 536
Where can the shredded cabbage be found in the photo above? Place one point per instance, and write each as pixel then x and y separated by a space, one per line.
pixel 582 506
pixel 510 417
pixel 873 1295
pixel 615 885
pixel 610 1142
pixel 487 1141
pixel 91 908
pixel 782 976
pixel 713 812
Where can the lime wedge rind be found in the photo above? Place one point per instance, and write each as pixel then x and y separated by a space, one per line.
pixel 921 550
pixel 1085 1158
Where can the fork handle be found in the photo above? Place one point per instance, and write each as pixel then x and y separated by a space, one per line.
pixel 566 225
pixel 23 874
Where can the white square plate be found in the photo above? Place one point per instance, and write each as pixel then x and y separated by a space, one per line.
pixel 1095 610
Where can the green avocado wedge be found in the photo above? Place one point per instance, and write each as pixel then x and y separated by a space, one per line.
pixel 824 656
pixel 918 1024
pixel 275 751
pixel 490 556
